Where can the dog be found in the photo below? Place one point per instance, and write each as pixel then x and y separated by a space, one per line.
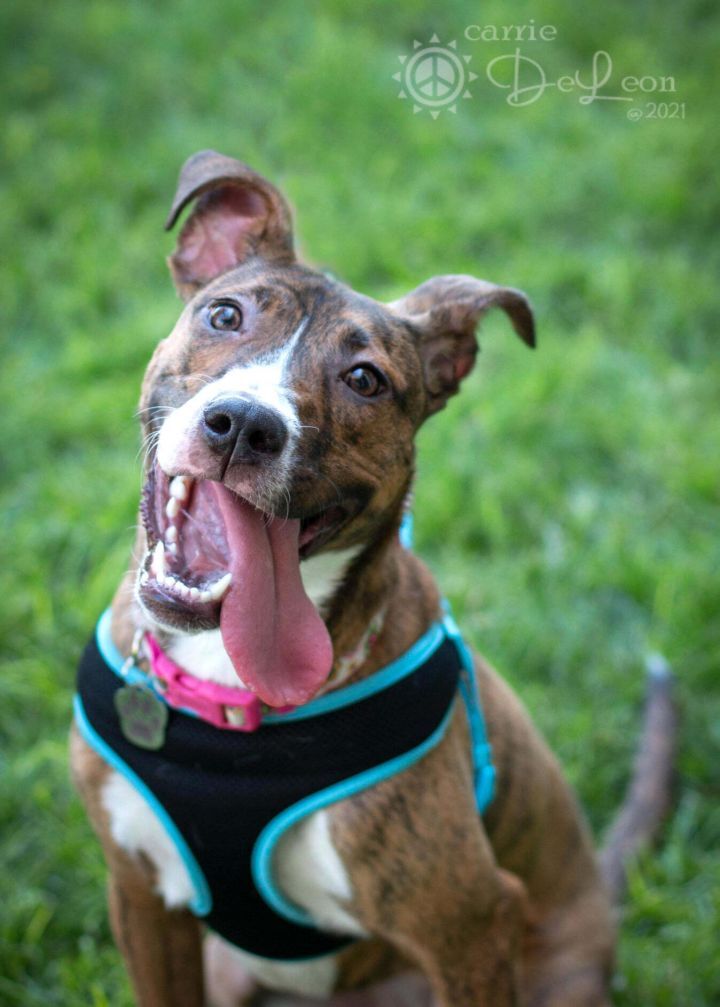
pixel 280 734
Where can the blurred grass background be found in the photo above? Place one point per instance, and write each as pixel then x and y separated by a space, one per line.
pixel 567 500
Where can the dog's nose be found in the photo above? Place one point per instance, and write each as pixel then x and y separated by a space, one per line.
pixel 243 430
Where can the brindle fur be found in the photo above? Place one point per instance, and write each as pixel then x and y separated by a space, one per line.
pixel 508 910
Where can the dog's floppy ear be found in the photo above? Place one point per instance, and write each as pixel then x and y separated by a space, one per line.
pixel 446 311
pixel 238 214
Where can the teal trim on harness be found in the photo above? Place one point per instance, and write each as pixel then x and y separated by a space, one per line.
pixel 407 530
pixel 105 642
pixel 202 901
pixel 482 750
pixel 268 839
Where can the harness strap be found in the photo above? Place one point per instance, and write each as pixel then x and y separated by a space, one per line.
pixel 485 774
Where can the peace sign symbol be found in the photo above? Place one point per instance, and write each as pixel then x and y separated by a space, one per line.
pixel 435 76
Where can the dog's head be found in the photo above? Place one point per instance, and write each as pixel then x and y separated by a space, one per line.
pixel 281 413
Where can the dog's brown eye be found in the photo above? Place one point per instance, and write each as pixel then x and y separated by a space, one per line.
pixel 226 317
pixel 365 381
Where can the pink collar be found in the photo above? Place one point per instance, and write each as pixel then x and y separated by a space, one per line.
pixel 220 705
pixel 235 709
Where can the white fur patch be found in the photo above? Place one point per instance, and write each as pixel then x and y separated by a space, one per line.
pixel 322 574
pixel 204 656
pixel 310 872
pixel 136 829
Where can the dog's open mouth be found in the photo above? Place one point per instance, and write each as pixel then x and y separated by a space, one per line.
pixel 216 560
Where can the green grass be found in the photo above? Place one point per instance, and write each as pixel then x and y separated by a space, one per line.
pixel 568 500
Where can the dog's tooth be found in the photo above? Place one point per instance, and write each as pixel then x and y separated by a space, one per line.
pixel 205 596
pixel 219 588
pixel 172 508
pixel 194 593
pixel 172 548
pixel 179 488
pixel 171 534
pixel 158 560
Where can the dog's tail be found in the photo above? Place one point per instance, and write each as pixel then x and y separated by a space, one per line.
pixel 648 796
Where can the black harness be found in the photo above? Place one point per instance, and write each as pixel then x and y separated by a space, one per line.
pixel 227 797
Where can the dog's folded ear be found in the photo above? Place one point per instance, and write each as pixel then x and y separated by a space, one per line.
pixel 446 311
pixel 238 215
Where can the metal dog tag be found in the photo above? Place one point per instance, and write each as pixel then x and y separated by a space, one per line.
pixel 143 717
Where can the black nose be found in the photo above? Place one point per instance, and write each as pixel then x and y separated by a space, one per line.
pixel 243 431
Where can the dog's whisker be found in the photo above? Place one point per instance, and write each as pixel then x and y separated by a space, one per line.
pixel 152 410
pixel 286 497
pixel 148 445
pixel 204 379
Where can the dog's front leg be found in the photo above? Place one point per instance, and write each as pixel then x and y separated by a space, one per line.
pixel 161 947
pixel 425 879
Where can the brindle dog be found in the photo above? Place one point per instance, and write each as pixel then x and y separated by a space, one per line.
pixel 505 910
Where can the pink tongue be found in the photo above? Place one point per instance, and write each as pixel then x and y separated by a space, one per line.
pixel 276 640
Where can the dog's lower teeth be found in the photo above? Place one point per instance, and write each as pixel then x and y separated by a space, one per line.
pixel 175 586
pixel 171 534
pixel 219 588
pixel 214 592
pixel 172 508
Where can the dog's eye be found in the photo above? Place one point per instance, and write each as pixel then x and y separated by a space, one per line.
pixel 226 316
pixel 364 380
